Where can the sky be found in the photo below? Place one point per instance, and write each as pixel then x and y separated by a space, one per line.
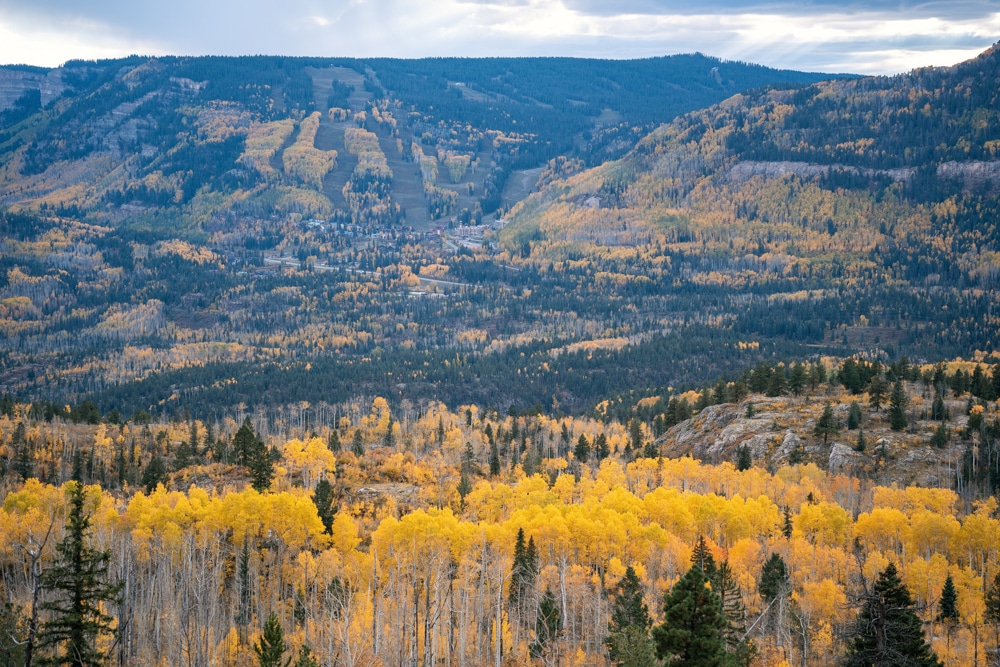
pixel 873 37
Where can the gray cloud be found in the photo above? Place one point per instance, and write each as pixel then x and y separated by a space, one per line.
pixel 876 36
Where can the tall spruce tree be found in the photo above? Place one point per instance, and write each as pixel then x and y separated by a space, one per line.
pixel 81 592
pixel 271 646
pixel 898 400
pixel 691 634
pixel 629 643
pixel 888 632
pixel 702 556
pixel 826 425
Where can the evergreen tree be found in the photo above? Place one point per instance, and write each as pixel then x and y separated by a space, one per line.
pixel 702 556
pixel 261 468
pixel 193 443
pixel 744 458
pixel 898 401
pixel 548 627
pixel 523 574
pixel 271 646
pixel 948 605
pixel 797 379
pixel 629 643
pixel 601 447
pixel 78 582
pixel 853 416
pixel 582 449
pixel 735 614
pixel 826 425
pixel 941 436
pixel 773 578
pixel 494 459
pixel 464 487
pixel 154 473
pixel 888 632
pixel 877 390
pixel 635 435
pixel 333 442
pixel 938 410
pixel 861 444
pixel 776 383
pixel 358 444
pixel 306 658
pixel 691 634
pixel 786 528
pixel 323 499
pixel 244 442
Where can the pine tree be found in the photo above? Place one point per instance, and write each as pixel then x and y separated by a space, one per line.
pixel 464 487
pixel 826 425
pixel 601 447
pixel 888 632
pixel 154 473
pixel 358 444
pixel 582 449
pixel 744 458
pixel 78 582
pixel 738 645
pixel 323 499
pixel 948 605
pixel 702 556
pixel 244 442
pixel 691 634
pixel 629 643
pixel 773 578
pixel 797 379
pixel 786 528
pixel 271 646
pixel 853 416
pixel 861 444
pixel 494 459
pixel 941 436
pixel 877 389
pixel 938 410
pixel 306 658
pixel 333 442
pixel 776 383
pixel 898 401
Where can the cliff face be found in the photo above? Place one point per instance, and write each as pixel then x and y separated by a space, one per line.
pixel 14 83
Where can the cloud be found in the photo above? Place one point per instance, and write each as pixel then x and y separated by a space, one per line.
pixel 877 36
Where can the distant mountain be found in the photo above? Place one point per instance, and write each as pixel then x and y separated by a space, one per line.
pixel 864 208
pixel 182 141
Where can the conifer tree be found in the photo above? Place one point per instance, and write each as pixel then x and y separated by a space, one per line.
pixel 948 606
pixel 81 592
pixel 744 458
pixel 271 646
pixel 877 389
pixel 702 556
pixel 691 634
pixel 888 632
pixel 826 425
pixel 629 643
pixel 582 449
pixel 358 444
pixel 853 416
pixel 494 459
pixel 898 401
pixel 323 499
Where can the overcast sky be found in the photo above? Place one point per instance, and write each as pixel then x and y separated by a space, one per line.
pixel 873 37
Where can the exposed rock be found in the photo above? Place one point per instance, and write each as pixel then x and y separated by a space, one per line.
pixel 843 458
pixel 14 83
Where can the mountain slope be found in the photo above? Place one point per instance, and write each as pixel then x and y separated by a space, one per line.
pixel 167 139
pixel 864 208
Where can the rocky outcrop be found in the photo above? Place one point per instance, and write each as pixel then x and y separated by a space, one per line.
pixel 14 83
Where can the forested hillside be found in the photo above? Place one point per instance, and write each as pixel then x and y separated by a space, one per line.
pixel 374 535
